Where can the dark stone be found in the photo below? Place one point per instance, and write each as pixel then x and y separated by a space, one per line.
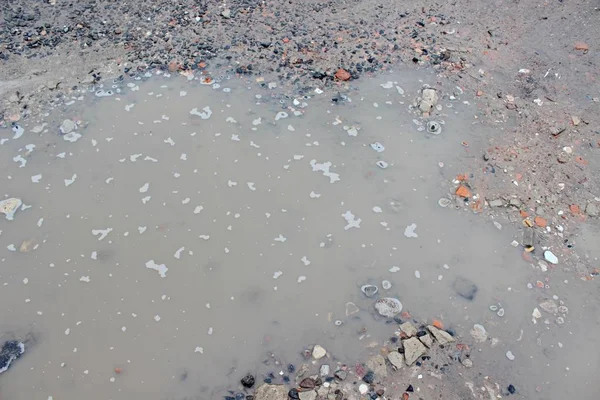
pixel 11 350
pixel 248 381
pixel 341 374
pixel 307 383
pixel 291 369
pixel 410 389
pixel 511 389
pixel 369 377
pixel 465 288
pixel 293 394
pixel 380 392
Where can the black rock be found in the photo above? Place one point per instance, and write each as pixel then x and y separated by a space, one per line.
pixel 293 394
pixel 511 389
pixel 410 389
pixel 369 377
pixel 341 374
pixel 11 350
pixel 291 368
pixel 465 288
pixel 307 383
pixel 248 381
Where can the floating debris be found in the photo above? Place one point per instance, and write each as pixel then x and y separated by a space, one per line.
pixel 9 207
pixel 409 231
pixel 162 268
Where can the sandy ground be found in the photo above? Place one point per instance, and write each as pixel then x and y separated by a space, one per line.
pixel 532 66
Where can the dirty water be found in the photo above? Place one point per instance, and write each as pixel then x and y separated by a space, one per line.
pixel 193 229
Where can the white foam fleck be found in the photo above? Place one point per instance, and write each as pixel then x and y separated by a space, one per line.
pixel 134 157
pixel 204 114
pixel 128 107
pixel 85 279
pixel 170 141
pixel 146 199
pixel 162 268
pixel 281 115
pixel 144 188
pixel 69 182
pixel 298 157
pixel 102 232
pixel 141 229
pixel 257 121
pixel 324 167
pixel 20 159
pixel 205 237
pixel 351 219
pixel 177 254
pixel 277 274
pixel 305 260
pixel 40 222
pixel 301 279
pixel 280 238
pixel 72 137
pixel 291 128
pixel 314 195
pixel 394 269
pixel 183 157
pixel 157 318
pixel 231 183
pixel 36 178
pixel 251 186
pixel 377 209
pixel 198 209
pixel 94 255
pixel 409 232
pixel 199 350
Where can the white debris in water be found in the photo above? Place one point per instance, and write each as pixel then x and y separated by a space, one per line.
pixel 72 137
pixel 205 237
pixel 9 207
pixel 314 195
pixel 182 93
pixel 394 269
pixel 298 157
pixel 18 130
pixel 146 199
pixel 11 247
pixel 351 220
pixel 40 222
pixel 409 232
pixel 257 121
pixel 102 232
pixel 134 157
pixel 387 85
pixel 291 128
pixel 128 107
pixel 177 254
pixel 204 114
pixel 123 328
pixel 20 159
pixel 235 138
pixel 67 331
pixel 157 318
pixel 199 350
pixel 305 260
pixel 301 279
pixel 230 119
pixel 94 255
pixel 186 200
pixel 61 155
pixel 150 159
pixel 141 229
pixel 324 167
pixel 36 178
pixel 417 274
pixel 378 147
pixel 231 183
pixel 144 188
pixel 280 238
pixel 69 182
pixel 162 268
pixel 85 279
pixel 183 157
pixel 169 141
pixel 382 164
pixel 277 274
pixel 25 281
pixel 281 115
pixel 198 209
pixel 400 90
pixel 351 130
pixel 377 209
pixel 251 186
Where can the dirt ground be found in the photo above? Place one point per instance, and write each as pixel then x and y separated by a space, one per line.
pixel 533 67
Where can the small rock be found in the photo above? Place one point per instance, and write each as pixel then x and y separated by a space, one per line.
pixel 307 383
pixel 388 307
pixel 467 363
pixel 441 336
pixel 324 370
pixel 413 349
pixel 369 377
pixel 582 46
pixel 271 392
pixel 377 364
pixel 363 389
pixel 510 355
pixel 427 340
pixel 67 126
pixel 226 13
pixel 341 374
pixel 429 99
pixel 318 352
pixel 479 333
pixel 396 359
pixel 408 328
pixel 465 288
pixel 342 75
pixel 591 209
pixel 248 381
pixel 528 238
pixel 496 203
pixel 511 389
pixel 550 257
pixel 13 98
pixel 309 395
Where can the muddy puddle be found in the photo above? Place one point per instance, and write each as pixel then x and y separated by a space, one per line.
pixel 180 232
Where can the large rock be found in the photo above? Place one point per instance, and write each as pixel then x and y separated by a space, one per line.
pixel 318 352
pixel 413 349
pixel 310 395
pixel 396 359
pixel 377 365
pixel 426 339
pixel 271 392
pixel 388 307
pixel 408 328
pixel 441 336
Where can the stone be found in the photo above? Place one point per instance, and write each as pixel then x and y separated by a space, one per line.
pixel 550 257
pixel 324 370
pixel 369 377
pixel 342 75
pixel 248 381
pixel 427 340
pixel 591 209
pixel 528 238
pixel 377 365
pixel 307 383
pixel 363 389
pixel 396 359
pixel 319 352
pixel 408 328
pixel 226 13
pixel 9 207
pixel 67 126
pixel 413 349
pixel 341 374
pixel 479 333
pixel 467 363
pixel 271 392
pixel 322 392
pixel 441 336
pixel 465 288
pixel 13 98
pixel 496 203
pixel 388 307
pixel 429 99
pixel 10 351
